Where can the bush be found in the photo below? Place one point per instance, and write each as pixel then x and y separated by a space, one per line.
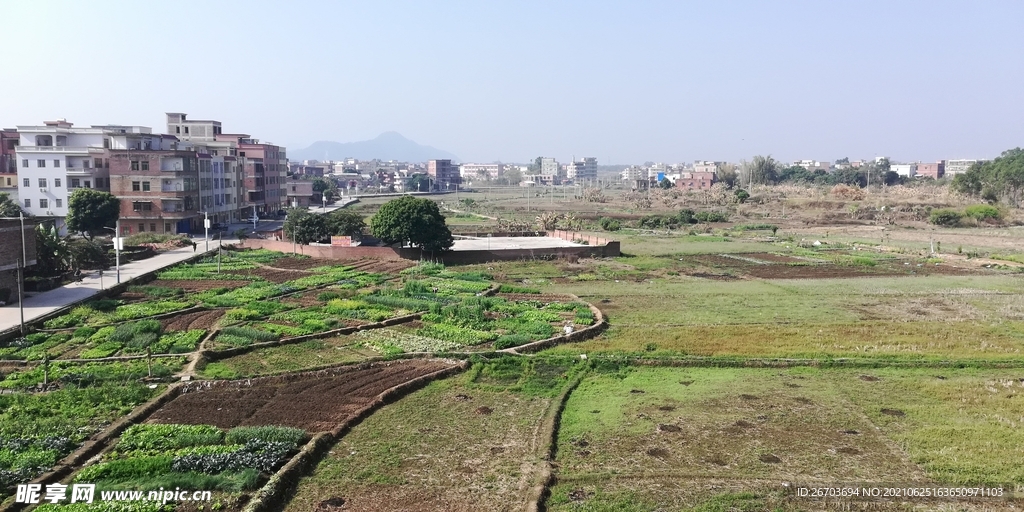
pixel 982 212
pixel 269 433
pixel 711 217
pixel 945 217
pixel 168 437
pixel 609 224
pixel 511 340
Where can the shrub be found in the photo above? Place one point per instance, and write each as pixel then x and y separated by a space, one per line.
pixel 84 332
pixel 711 217
pixel 982 212
pixel 511 340
pixel 945 217
pixel 609 224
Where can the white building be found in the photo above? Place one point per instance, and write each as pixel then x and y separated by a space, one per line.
pixel 56 158
pixel 907 170
pixel 813 165
pixel 633 173
pixel 480 171
pixel 706 166
pixel 954 167
pixel 584 169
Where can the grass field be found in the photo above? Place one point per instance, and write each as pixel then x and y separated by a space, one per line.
pixel 645 438
pixel 470 442
pixel 286 358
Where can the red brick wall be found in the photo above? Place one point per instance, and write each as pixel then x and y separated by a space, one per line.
pixel 11 252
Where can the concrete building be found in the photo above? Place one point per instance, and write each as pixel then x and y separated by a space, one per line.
pixel 56 158
pixel 580 170
pixel 221 192
pixel 632 173
pixel 9 160
pixel 299 193
pixel 481 171
pixel 445 174
pixel 157 180
pixel 705 166
pixel 696 180
pixel 905 170
pixel 954 167
pixel 263 169
pixel 549 166
pixel 307 169
pixel 933 170
pixel 813 165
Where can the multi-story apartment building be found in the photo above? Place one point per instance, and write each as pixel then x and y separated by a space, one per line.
pixel 550 166
pixel 480 171
pixel 8 160
pixel 299 193
pixel 707 166
pixel 933 170
pixel 221 195
pixel 633 173
pixel 56 158
pixel 954 167
pixel 581 170
pixel 444 173
pixel 157 180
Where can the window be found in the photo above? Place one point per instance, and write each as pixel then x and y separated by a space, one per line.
pixel 145 186
pixel 142 227
pixel 186 130
pixel 40 163
pixel 135 165
pixel 56 182
pixel 241 153
pixel 56 163
pixel 44 203
pixel 85 164
pixel 136 186
pixel 152 226
pixel 42 182
pixel 145 165
pixel 8 182
pixel 98 162
pixel 60 203
pixel 28 203
pixel 88 184
pixel 75 183
pixel 26 182
pixel 142 206
pixel 24 162
pixel 177 129
pixel 167 227
pixel 125 231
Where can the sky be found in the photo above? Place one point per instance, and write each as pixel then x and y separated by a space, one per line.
pixel 492 80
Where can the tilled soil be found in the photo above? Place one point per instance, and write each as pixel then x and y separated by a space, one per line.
pixel 316 402
pixel 276 276
pixel 194 320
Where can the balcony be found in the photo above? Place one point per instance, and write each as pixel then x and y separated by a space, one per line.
pixel 79 171
pixel 58 149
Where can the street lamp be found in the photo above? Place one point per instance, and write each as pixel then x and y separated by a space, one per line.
pixel 118 245
pixel 325 203
pixel 206 226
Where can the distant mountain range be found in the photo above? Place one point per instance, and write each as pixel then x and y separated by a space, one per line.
pixel 387 146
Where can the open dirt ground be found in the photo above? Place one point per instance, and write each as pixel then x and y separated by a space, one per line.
pixel 315 402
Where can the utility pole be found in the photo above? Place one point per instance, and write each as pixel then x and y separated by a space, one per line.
pixel 21 293
pixel 118 241
pixel 206 226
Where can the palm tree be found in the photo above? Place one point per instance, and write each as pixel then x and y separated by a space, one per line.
pixel 762 170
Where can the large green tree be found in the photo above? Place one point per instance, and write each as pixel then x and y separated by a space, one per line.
pixel 90 211
pixel 415 221
pixel 419 183
pixel 8 208
pixel 345 222
pixel 1000 178
pixel 304 227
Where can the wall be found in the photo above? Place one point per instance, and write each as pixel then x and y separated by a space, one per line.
pixel 598 248
pixel 11 251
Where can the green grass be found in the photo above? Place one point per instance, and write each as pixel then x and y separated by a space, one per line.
pixel 286 358
pixel 464 443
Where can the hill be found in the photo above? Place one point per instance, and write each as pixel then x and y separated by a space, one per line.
pixel 387 146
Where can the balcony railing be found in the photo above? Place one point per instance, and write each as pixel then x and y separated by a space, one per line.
pixel 57 149
pixel 79 171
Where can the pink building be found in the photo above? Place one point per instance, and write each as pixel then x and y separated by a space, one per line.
pixel 934 170
pixel 8 159
pixel 444 173
pixel 265 169
pixel 697 180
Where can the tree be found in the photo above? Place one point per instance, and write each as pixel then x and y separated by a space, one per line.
pixel 536 166
pixel 52 255
pixel 345 223
pixel 415 221
pixel 419 183
pixel 762 170
pixel 727 174
pixel 665 184
pixel 90 210
pixel 320 185
pixel 513 176
pixel 304 227
pixel 8 208
pixel 1000 178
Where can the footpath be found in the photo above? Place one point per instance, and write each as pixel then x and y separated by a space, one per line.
pixel 38 304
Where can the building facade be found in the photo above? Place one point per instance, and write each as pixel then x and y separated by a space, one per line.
pixel 480 171
pixel 706 166
pixel 56 158
pixel 549 166
pixel 954 167
pixel 299 193
pixel 696 180
pixel 15 243
pixel 221 186
pixel 905 170
pixel 444 173
pixel 8 160
pixel 933 170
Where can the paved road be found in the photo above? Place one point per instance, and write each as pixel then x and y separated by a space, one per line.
pixel 38 304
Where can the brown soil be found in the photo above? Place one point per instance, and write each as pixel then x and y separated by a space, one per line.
pixel 194 320
pixel 483 410
pixel 578 495
pixel 773 258
pixel 201 285
pixel 291 263
pixel 657 452
pixel 769 459
pixel 893 412
pixel 636 391
pixel 849 432
pixel 849 451
pixel 716 277
pixel 686 382
pixel 869 378
pixel 791 385
pixel 749 397
pixel 743 424
pixel 667 408
pixel 805 401
pixel 331 504
pixel 668 428
pixel 312 401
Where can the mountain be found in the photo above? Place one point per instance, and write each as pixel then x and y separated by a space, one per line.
pixel 387 146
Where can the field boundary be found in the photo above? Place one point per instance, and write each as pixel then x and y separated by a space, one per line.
pixel 278 490
pixel 552 421
pixel 600 324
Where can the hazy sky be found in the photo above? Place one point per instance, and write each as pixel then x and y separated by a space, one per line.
pixel 489 80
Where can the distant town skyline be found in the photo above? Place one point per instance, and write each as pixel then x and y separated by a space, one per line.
pixel 622 82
